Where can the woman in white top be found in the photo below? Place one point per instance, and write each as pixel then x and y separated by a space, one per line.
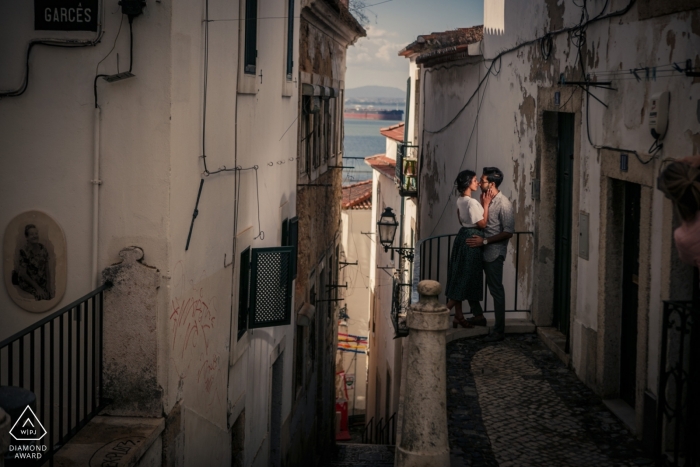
pixel 464 272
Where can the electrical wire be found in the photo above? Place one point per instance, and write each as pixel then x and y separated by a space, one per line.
pixel 114 44
pixel 131 56
pixel 464 157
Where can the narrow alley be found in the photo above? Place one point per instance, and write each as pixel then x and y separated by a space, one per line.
pixel 514 403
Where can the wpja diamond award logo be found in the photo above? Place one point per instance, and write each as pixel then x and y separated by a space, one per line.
pixel 28 429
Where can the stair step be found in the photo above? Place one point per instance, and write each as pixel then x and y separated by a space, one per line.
pixel 364 455
pixel 114 441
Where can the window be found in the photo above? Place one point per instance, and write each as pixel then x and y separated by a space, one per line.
pixel 243 288
pixel 290 39
pixel 316 138
pixel 325 130
pixel 305 133
pixel 251 36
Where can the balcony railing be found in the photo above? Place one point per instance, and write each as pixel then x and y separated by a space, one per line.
pixel 434 257
pixel 676 431
pixel 407 169
pixel 59 359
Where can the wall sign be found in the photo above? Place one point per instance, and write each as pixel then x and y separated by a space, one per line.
pixel 34 261
pixel 65 15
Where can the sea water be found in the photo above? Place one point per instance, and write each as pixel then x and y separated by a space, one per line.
pixel 362 139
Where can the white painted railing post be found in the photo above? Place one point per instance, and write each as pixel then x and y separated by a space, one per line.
pixel 423 436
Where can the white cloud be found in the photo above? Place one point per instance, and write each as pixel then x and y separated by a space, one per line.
pixel 378 49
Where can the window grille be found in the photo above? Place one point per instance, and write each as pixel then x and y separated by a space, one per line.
pixel 251 36
pixel 271 287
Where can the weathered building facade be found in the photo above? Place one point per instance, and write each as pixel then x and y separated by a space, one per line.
pixel 563 99
pixel 326 30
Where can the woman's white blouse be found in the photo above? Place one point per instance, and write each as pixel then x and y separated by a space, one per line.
pixel 470 211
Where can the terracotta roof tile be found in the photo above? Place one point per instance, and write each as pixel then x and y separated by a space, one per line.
pixel 445 41
pixel 358 195
pixel 382 164
pixel 394 132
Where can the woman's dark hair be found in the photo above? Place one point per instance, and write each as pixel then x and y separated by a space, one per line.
pixel 680 183
pixel 494 175
pixel 463 180
pixel 27 227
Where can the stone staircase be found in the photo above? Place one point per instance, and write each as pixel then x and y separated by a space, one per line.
pixel 363 455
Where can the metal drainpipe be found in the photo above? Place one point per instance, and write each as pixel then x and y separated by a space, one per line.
pixel 96 182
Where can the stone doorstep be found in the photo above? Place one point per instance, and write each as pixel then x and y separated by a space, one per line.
pixel 556 342
pixel 114 441
pixel 513 326
pixel 623 411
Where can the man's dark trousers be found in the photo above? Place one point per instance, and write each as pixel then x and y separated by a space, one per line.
pixel 494 281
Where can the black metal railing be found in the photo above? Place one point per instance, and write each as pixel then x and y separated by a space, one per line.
pixel 435 256
pixel 676 395
pixel 381 432
pixel 59 359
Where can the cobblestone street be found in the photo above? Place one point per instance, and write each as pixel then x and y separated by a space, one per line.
pixel 515 404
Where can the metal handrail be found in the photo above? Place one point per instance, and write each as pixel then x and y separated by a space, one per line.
pixel 65 402
pixel 424 269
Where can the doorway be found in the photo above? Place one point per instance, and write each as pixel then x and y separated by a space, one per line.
pixel 563 221
pixel 630 291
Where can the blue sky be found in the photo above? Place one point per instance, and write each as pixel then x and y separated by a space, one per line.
pixel 373 60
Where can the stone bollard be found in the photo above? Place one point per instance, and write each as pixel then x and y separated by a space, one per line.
pixel 5 424
pixel 424 441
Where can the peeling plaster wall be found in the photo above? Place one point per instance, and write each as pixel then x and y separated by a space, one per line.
pixel 506 136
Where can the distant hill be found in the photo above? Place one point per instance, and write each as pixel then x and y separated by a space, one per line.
pixel 373 92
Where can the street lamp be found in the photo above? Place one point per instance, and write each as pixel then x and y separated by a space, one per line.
pixel 386 228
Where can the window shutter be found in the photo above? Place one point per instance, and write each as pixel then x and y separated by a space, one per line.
pixel 294 242
pixel 271 287
pixel 243 290
pixel 285 233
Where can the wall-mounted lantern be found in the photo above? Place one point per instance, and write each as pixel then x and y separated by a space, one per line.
pixel 386 228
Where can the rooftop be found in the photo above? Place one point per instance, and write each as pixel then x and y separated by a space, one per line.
pixel 358 195
pixel 382 164
pixel 437 45
pixel 394 132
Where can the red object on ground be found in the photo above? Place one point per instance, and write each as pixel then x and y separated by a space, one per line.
pixel 344 433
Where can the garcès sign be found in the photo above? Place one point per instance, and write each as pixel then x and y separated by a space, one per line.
pixel 65 15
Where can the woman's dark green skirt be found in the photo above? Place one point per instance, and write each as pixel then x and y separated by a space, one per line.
pixel 465 277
